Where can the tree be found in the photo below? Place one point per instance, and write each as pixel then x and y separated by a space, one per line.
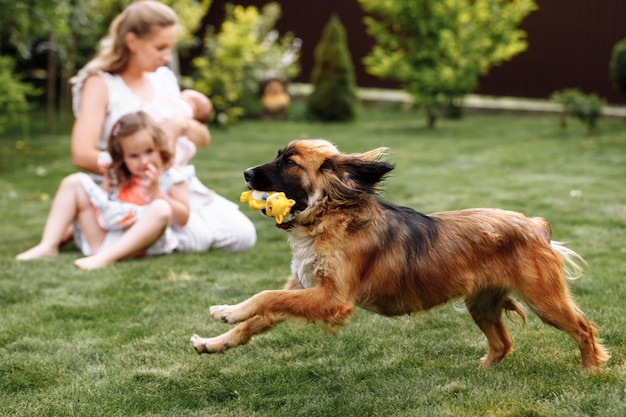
pixel 334 86
pixel 437 49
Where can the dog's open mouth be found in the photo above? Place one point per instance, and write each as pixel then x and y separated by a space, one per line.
pixel 286 225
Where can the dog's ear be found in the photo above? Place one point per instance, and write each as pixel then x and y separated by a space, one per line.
pixel 354 174
pixel 373 155
pixel 368 174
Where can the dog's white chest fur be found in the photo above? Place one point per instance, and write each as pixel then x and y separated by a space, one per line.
pixel 304 261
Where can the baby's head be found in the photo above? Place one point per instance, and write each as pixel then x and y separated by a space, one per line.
pixel 200 104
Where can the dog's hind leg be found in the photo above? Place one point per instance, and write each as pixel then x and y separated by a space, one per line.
pixel 486 308
pixel 238 335
pixel 550 299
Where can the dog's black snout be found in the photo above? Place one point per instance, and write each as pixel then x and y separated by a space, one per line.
pixel 247 174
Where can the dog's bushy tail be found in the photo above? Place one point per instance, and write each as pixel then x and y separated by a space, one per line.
pixel 571 260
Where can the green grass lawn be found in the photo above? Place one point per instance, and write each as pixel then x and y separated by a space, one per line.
pixel 115 342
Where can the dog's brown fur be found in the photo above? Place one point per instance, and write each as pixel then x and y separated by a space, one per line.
pixel 352 248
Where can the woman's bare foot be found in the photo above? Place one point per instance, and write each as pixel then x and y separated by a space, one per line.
pixel 38 252
pixel 93 262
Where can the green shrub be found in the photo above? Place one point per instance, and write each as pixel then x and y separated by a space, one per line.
pixel 244 53
pixel 334 86
pixel 14 92
pixel 617 66
pixel 585 107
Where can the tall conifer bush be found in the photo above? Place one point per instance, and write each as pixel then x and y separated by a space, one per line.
pixel 617 66
pixel 334 86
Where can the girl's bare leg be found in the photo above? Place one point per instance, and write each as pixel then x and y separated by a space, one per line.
pixel 141 235
pixel 70 202
pixel 69 235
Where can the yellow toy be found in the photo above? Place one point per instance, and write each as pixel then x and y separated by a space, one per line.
pixel 255 199
pixel 274 204
pixel 279 206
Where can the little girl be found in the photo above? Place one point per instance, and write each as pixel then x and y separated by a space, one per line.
pixel 119 210
pixel 120 206
pixel 140 161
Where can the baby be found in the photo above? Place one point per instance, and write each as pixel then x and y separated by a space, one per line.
pixel 190 104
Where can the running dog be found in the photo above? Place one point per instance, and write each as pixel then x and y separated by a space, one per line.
pixel 350 248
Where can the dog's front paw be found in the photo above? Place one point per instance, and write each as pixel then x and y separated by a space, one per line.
pixel 225 314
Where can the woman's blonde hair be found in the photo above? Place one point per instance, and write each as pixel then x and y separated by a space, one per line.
pixel 141 18
pixel 130 124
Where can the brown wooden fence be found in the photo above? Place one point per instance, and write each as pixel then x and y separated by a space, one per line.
pixel 570 44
